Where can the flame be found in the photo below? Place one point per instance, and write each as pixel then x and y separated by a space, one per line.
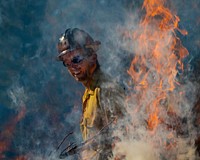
pixel 21 158
pixel 7 134
pixel 158 59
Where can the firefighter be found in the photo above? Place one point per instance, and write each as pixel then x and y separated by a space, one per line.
pixel 102 100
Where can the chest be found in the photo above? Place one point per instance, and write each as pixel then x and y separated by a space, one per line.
pixel 91 108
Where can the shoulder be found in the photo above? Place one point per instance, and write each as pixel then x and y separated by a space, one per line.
pixel 110 87
pixel 108 84
pixel 109 90
pixel 112 96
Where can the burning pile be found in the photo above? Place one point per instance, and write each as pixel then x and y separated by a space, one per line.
pixel 159 106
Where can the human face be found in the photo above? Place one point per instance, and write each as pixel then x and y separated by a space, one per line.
pixel 79 66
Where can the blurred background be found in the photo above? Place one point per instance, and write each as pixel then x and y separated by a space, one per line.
pixel 39 102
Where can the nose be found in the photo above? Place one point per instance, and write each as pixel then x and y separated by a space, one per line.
pixel 75 66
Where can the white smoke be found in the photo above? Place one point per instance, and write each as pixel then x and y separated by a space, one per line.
pixel 18 96
pixel 174 137
pixel 107 23
pixel 136 150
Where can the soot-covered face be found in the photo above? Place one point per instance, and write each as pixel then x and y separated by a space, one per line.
pixel 79 65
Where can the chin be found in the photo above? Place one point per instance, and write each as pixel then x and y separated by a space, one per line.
pixel 80 79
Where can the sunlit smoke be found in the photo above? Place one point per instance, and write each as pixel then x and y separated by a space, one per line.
pixel 136 150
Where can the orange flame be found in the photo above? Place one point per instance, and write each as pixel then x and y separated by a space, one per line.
pixel 7 134
pixel 158 58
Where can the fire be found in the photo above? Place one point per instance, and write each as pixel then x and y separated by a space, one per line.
pixel 7 134
pixel 158 104
pixel 157 61
pixel 22 158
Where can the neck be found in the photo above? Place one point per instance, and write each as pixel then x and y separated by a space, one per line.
pixel 91 82
pixel 88 83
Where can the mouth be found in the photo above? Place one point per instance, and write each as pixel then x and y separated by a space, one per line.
pixel 76 73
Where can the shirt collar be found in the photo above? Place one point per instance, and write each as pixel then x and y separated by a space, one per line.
pixel 96 78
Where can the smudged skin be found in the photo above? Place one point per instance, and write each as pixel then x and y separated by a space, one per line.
pixel 80 66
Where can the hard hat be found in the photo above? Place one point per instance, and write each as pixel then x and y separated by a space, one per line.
pixel 74 39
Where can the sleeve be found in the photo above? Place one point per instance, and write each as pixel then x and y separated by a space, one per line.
pixel 112 103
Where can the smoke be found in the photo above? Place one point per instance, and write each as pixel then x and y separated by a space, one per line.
pixel 32 78
pixel 18 96
pixel 156 101
pixel 137 150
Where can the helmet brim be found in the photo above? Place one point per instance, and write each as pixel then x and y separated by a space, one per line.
pixel 58 58
pixel 94 46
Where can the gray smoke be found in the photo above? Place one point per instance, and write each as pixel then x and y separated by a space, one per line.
pixel 31 77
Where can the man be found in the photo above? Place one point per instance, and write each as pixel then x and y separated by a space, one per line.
pixel 102 101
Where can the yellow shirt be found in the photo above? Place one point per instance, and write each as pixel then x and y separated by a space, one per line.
pixel 90 109
pixel 90 121
pixel 100 105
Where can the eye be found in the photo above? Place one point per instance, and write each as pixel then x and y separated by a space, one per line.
pixel 77 59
